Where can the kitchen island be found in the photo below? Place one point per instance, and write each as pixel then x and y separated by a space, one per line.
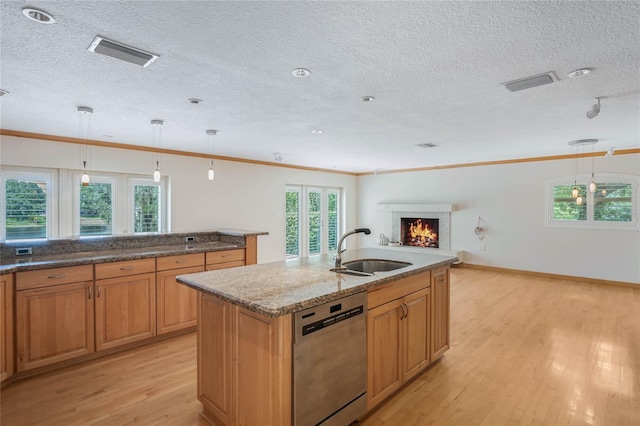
pixel 246 335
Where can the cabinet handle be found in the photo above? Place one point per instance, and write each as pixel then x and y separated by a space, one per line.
pixel 225 256
pixel 442 281
pixel 98 294
pixel 405 313
pixel 181 261
pixel 89 288
pixel 127 268
pixel 56 276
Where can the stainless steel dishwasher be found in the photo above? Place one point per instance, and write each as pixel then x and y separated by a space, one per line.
pixel 330 363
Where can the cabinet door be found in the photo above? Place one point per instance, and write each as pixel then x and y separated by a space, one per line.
pixel 6 326
pixel 176 303
pixel 439 313
pixel 125 310
pixel 384 351
pixel 54 324
pixel 416 333
pixel 214 359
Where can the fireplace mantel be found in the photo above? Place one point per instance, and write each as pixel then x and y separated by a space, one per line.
pixel 431 208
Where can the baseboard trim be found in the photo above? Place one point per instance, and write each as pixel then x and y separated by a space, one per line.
pixel 548 275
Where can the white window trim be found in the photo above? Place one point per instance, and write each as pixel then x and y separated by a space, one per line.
pixel 76 203
pixel 303 206
pixel 50 177
pixel 164 217
pixel 590 223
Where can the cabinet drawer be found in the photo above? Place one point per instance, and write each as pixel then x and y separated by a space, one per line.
pixel 180 261
pixel 397 289
pixel 53 276
pixel 225 265
pixel 225 256
pixel 127 267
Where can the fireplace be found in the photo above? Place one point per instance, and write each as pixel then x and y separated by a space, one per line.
pixel 419 232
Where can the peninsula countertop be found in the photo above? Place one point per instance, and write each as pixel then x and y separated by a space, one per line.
pixel 279 288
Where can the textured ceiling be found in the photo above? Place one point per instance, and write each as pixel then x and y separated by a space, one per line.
pixel 435 70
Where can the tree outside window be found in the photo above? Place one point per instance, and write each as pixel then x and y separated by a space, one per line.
pixel 26 209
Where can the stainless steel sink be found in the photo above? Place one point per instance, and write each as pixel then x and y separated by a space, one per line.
pixel 370 266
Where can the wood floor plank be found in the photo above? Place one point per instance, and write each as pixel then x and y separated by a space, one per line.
pixel 524 350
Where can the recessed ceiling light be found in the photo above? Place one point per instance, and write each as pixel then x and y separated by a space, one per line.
pixel 301 72
pixel 367 98
pixel 316 131
pixel 39 16
pixel 3 92
pixel 195 101
pixel 107 136
pixel 579 73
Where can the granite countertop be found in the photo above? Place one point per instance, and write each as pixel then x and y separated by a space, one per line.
pixel 279 288
pixel 28 263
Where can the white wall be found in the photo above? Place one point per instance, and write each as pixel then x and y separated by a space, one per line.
pixel 510 199
pixel 245 196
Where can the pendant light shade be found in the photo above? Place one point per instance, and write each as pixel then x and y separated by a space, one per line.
pixel 211 134
pixel 156 141
pixel 592 186
pixel 84 133
pixel 579 201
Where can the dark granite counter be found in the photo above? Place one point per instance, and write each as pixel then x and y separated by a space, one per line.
pixel 79 251
pixel 279 288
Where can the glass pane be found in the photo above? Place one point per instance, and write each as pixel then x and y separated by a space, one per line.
pixel 315 236
pixel 146 208
pixel 565 206
pixel 333 220
pixel 612 202
pixel 26 212
pixel 95 209
pixel 293 223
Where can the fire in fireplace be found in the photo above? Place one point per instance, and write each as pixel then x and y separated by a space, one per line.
pixel 419 232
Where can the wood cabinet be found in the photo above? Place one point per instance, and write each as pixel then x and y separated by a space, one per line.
pixel 54 322
pixel 244 365
pixel 176 304
pixel 126 304
pixel 398 335
pixel 440 327
pixel 7 360
pixel 225 259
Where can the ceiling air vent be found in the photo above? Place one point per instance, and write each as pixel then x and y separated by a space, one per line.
pixel 426 145
pixel 121 51
pixel 530 82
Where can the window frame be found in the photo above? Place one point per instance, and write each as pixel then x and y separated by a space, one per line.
pixel 46 175
pixel 164 218
pixel 303 213
pixel 590 222
pixel 76 179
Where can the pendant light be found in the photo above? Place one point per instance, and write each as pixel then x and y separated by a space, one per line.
pixel 211 134
pixel 156 142
pixel 577 146
pixel 83 135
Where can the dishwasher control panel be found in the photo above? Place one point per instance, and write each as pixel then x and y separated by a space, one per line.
pixel 329 321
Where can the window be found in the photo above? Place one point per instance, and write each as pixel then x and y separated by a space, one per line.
pixel 27 207
pixel 614 204
pixel 147 206
pixel 312 220
pixel 95 206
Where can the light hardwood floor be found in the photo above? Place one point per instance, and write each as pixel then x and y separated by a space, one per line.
pixel 524 351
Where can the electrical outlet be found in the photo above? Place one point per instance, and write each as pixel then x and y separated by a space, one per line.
pixel 190 239
pixel 23 251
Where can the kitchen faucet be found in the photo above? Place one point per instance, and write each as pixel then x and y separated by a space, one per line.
pixel 338 259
